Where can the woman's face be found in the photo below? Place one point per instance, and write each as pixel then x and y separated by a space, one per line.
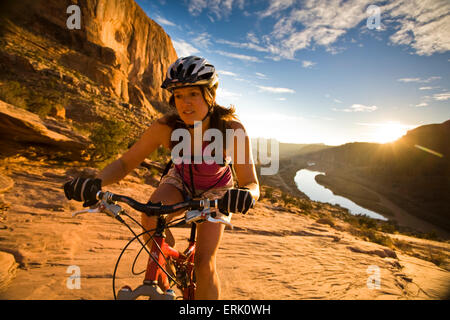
pixel 190 104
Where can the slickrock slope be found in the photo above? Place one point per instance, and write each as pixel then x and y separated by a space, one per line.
pixel 272 252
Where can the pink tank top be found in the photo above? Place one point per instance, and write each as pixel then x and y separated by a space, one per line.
pixel 205 176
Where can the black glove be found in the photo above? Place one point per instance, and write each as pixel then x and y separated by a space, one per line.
pixel 236 200
pixel 83 189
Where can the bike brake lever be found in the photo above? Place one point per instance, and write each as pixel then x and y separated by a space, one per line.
pixel 90 210
pixel 224 219
pixel 111 209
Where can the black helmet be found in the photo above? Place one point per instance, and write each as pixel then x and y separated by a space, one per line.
pixel 190 71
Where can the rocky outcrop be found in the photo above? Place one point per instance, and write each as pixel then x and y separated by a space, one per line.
pixel 19 125
pixel 8 268
pixel 118 47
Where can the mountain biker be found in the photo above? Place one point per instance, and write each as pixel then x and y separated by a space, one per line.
pixel 193 82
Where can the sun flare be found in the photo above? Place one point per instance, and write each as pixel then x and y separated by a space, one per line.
pixel 390 131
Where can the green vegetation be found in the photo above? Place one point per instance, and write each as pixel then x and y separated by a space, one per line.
pixel 161 155
pixel 276 196
pixel 372 235
pixel 110 138
pixel 29 99
pixel 268 193
pixel 13 93
pixel 302 204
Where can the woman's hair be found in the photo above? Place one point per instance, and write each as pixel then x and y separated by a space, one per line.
pixel 219 118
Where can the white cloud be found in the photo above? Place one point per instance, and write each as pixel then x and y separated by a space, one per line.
pixel 308 64
pixel 409 80
pixel 431 79
pixel 323 22
pixel 275 90
pixel 357 108
pixel 164 21
pixel 420 80
pixel 243 45
pixel 424 25
pixel 183 48
pixel 275 7
pixel 220 8
pixel 195 7
pixel 238 56
pixel 422 104
pixel 281 99
pixel 252 38
pixel 428 88
pixel 261 75
pixel 337 100
pixel 441 96
pixel 227 73
pixel 203 40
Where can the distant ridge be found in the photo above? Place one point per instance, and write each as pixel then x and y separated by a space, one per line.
pixel 413 171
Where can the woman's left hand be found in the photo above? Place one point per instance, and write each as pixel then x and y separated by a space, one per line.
pixel 236 200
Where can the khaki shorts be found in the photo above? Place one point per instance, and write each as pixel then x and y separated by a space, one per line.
pixel 172 177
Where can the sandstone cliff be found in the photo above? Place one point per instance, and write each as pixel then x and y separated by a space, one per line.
pixel 118 53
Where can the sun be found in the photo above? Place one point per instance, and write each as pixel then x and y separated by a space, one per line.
pixel 390 131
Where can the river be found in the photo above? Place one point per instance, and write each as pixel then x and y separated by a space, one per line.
pixel 306 183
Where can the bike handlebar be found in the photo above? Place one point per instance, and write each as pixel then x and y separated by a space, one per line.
pixel 153 209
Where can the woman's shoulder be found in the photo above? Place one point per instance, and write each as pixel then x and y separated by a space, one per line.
pixel 235 124
pixel 164 119
pixel 168 122
pixel 161 129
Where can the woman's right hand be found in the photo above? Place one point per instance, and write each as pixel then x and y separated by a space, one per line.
pixel 83 189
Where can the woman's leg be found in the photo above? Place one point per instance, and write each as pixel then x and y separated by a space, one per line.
pixel 167 194
pixel 208 239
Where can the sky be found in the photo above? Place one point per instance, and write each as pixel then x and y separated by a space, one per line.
pixel 325 71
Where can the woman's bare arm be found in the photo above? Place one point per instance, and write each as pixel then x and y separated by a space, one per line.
pixel 156 135
pixel 243 164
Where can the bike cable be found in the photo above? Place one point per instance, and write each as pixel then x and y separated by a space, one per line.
pixel 142 247
pixel 136 237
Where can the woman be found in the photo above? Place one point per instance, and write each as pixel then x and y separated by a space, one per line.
pixel 193 83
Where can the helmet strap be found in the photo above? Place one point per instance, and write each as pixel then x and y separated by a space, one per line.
pixel 191 126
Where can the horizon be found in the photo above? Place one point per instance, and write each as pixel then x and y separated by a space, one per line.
pixel 331 145
pixel 333 72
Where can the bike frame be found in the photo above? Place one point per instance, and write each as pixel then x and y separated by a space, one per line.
pixel 161 252
pixel 156 282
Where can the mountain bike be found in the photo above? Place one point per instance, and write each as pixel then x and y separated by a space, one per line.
pixel 158 281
